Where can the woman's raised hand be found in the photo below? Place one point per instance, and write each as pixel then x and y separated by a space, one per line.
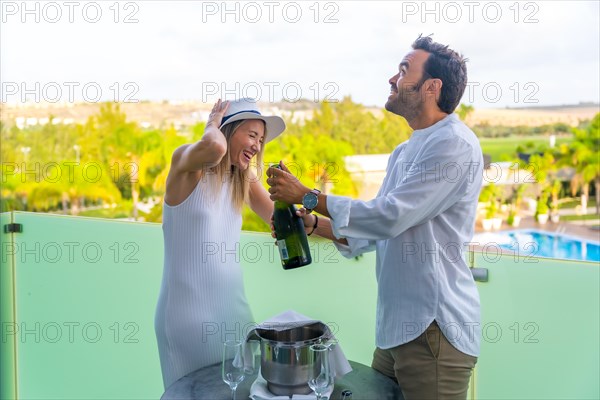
pixel 216 115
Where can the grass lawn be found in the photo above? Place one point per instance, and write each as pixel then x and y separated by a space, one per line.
pixel 570 202
pixel 122 210
pixel 503 149
pixel 579 217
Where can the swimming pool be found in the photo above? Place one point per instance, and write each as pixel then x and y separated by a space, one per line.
pixel 542 244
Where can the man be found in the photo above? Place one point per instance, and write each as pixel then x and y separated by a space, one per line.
pixel 428 322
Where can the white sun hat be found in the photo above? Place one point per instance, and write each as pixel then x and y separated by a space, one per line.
pixel 246 108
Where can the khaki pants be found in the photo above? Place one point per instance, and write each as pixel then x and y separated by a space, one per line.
pixel 428 367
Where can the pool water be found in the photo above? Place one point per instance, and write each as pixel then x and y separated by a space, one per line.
pixel 542 244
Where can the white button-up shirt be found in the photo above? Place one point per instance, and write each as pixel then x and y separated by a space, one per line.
pixel 420 224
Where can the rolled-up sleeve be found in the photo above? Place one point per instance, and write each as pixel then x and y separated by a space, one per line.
pixel 426 189
pixel 339 209
pixel 355 247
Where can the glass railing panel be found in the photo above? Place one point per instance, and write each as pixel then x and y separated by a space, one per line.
pixel 7 311
pixel 85 295
pixel 541 328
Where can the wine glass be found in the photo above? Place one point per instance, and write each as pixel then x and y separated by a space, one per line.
pixel 332 344
pixel 233 364
pixel 251 357
pixel 320 384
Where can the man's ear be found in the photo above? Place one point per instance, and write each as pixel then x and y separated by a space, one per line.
pixel 433 87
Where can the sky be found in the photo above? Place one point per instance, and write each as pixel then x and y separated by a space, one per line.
pixel 521 54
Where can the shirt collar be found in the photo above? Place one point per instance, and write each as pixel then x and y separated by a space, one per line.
pixel 445 121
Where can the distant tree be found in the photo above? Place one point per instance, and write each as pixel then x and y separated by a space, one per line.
pixel 49 175
pixel 131 155
pixel 585 157
pixel 464 111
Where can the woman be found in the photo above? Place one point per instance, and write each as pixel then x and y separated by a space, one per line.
pixel 202 301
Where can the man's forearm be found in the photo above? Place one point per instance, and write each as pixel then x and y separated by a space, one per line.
pixel 324 228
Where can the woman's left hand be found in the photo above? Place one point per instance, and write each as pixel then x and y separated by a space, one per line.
pixel 309 221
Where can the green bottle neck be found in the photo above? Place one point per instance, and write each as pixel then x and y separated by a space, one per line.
pixel 280 205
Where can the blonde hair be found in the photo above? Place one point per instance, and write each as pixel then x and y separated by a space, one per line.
pixel 225 171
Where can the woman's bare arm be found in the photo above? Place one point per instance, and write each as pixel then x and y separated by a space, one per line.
pixel 260 201
pixel 188 161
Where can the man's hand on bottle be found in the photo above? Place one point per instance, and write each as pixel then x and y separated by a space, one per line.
pixel 284 186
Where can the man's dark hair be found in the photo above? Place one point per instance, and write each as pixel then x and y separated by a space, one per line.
pixel 448 66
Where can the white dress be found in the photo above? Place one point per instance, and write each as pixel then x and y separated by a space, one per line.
pixel 202 301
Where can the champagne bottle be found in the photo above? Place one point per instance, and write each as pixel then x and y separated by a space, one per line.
pixel 291 236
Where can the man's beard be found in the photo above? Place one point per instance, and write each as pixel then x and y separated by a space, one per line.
pixel 407 104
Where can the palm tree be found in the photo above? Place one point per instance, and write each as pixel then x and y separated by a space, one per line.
pixel 71 189
pixel 544 167
pixel 585 157
pixel 464 111
pixel 123 148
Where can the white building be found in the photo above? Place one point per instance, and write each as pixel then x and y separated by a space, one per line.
pixel 367 171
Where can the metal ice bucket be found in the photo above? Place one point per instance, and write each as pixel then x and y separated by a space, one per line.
pixel 287 363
